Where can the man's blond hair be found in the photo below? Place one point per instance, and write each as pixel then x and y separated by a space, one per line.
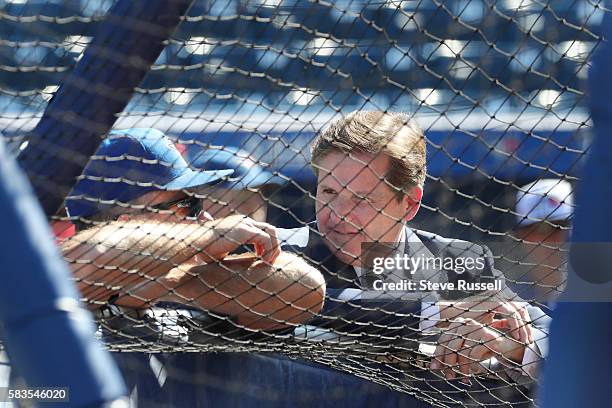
pixel 391 133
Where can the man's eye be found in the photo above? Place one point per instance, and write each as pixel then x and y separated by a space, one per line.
pixel 361 199
pixel 328 191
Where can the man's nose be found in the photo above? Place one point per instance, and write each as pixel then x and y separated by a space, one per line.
pixel 341 210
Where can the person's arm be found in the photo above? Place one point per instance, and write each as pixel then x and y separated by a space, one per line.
pixel 114 259
pixel 257 295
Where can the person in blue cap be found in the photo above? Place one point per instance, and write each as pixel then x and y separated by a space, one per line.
pixel 143 237
pixel 246 191
pixel 131 164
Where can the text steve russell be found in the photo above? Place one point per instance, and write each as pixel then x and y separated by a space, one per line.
pixel 425 285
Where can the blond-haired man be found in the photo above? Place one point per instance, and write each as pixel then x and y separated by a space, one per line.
pixel 370 169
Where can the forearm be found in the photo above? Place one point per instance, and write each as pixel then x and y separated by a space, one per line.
pixel 166 243
pixel 119 257
pixel 258 295
pixel 143 261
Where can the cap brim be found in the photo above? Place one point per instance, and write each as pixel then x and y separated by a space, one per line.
pixel 525 222
pixel 192 179
pixel 254 180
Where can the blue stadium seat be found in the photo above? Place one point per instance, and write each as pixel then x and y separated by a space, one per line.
pixel 436 20
pixel 35 55
pixel 567 73
pixel 52 8
pixel 95 8
pixel 398 60
pixel 316 16
pixel 590 13
pixel 220 8
pixel 562 27
pixel 398 24
pixel 216 24
pixel 6 55
pixel 469 11
pixel 348 22
pixel 271 61
pixel 39 29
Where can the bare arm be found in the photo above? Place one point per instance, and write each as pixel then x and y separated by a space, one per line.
pixel 256 294
pixel 118 258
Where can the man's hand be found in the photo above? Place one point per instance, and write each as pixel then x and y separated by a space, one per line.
pixel 467 342
pixel 228 233
pixel 514 314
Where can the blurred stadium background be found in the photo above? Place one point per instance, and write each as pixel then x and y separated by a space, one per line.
pixel 498 87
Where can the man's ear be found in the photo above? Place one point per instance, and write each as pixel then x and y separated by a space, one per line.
pixel 412 201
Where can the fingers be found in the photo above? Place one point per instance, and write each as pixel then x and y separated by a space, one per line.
pixel 263 237
pixel 438 356
pixel 436 360
pixel 230 232
pixel 266 245
pixel 477 354
pixel 517 317
pixel 467 342
pixel 235 230
pixel 501 325
pixel 525 329
pixel 445 357
pixel 451 358
pixel 509 315
pixel 204 216
pixel 461 349
pixel 464 360
pixel 467 359
pixel 271 255
pixel 518 325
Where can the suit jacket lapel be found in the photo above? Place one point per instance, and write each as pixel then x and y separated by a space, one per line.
pixel 417 248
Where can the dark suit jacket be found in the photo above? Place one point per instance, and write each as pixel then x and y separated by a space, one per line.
pixel 339 275
pixel 374 316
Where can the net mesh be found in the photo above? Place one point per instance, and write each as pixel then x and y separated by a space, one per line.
pixel 498 88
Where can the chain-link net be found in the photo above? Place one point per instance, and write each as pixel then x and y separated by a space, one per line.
pixel 498 88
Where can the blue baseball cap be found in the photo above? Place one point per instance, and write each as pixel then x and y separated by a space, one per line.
pixel 130 163
pixel 247 172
